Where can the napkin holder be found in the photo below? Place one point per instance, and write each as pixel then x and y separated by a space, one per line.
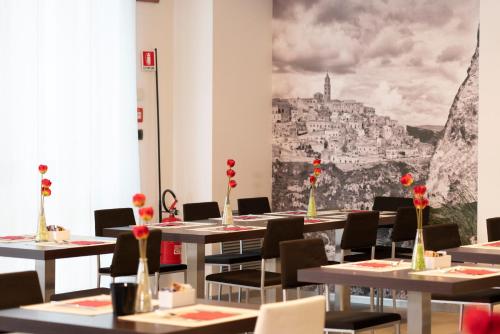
pixel 171 299
pixel 437 262
pixel 59 236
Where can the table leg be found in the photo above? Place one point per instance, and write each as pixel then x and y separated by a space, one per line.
pixel 46 270
pixel 419 312
pixel 342 298
pixel 195 258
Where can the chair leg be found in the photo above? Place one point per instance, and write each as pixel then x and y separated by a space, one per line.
pixel 461 318
pixel 394 307
pixel 230 293
pixel 157 279
pixel 398 328
pixel 239 295
pixel 284 295
pixel 207 290
pixel 372 297
pixel 247 296
pixel 262 297
pixel 298 293
pixel 220 292
pixel 185 277
pixel 98 274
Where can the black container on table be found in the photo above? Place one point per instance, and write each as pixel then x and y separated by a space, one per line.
pixel 123 298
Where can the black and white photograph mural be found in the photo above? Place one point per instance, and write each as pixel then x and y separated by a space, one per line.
pixel 376 89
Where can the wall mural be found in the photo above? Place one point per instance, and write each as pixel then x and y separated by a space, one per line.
pixel 376 88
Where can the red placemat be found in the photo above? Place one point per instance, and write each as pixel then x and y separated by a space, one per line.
pixel 295 212
pixel 493 244
pixel 206 315
pixel 14 237
pixel 473 272
pixel 247 217
pixel 86 242
pixel 91 303
pixel 373 264
pixel 237 228
pixel 168 224
pixel 312 221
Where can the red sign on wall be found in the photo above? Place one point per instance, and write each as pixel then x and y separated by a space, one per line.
pixel 140 115
pixel 148 61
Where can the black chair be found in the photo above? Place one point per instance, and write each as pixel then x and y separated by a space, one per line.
pixel 207 210
pixel 19 288
pixel 445 236
pixel 277 231
pixel 310 253
pixel 493 228
pixel 254 205
pixel 388 203
pixel 360 232
pixel 121 217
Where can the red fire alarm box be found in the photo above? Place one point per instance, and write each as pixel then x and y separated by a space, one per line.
pixel 148 61
pixel 140 115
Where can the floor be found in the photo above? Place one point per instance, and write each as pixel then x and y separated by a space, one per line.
pixel 442 323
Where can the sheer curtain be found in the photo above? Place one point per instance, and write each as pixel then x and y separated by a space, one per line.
pixel 67 99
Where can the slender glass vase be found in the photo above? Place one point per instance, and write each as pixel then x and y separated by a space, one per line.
pixel 143 296
pixel 311 208
pixel 227 215
pixel 417 259
pixel 41 232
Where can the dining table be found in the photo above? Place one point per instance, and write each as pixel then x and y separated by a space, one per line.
pixel 488 252
pixel 45 254
pixel 46 322
pixel 420 285
pixel 195 235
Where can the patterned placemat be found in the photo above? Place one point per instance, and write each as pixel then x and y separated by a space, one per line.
pixel 227 229
pixel 16 238
pixel 90 306
pixel 372 265
pixel 178 224
pixel 74 243
pixel 461 272
pixel 250 218
pixel 193 316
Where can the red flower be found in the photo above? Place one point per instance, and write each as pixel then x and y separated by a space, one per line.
pixel 407 180
pixel 230 172
pixel 146 213
pixel 477 321
pixel 420 203
pixel 139 200
pixel 43 169
pixel 46 192
pixel 419 191
pixel 231 163
pixel 312 179
pixel 316 162
pixel 46 183
pixel 317 171
pixel 233 183
pixel 140 232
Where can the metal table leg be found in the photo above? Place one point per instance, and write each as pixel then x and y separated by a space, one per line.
pixel 342 298
pixel 419 312
pixel 46 270
pixel 195 258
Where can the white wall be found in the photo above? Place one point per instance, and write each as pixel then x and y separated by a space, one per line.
pixel 489 115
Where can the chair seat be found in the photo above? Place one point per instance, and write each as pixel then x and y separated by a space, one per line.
pixel 246 277
pixel 79 294
pixel 166 268
pixel 352 320
pixel 490 296
pixel 228 259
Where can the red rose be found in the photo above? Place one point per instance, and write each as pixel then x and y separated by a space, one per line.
pixel 233 183
pixel 312 179
pixel 46 192
pixel 230 172
pixel 231 163
pixel 316 162
pixel 317 171
pixel 407 180
pixel 140 232
pixel 146 213
pixel 42 169
pixel 421 203
pixel 46 183
pixel 139 200
pixel 419 191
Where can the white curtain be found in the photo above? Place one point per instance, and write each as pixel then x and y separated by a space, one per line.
pixel 67 99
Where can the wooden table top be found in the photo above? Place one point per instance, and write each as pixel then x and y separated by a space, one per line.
pixel 193 235
pixel 35 251
pixel 475 254
pixel 399 280
pixel 42 322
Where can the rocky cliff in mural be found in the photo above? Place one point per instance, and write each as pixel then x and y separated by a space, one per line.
pixel 453 168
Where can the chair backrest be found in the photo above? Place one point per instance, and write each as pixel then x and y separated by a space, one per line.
pixel 306 315
pixel 493 228
pixel 441 236
pixel 126 254
pixel 19 288
pixel 112 218
pixel 279 230
pixel 360 230
pixel 255 205
pixel 388 203
pixel 200 211
pixel 300 254
pixel 405 225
